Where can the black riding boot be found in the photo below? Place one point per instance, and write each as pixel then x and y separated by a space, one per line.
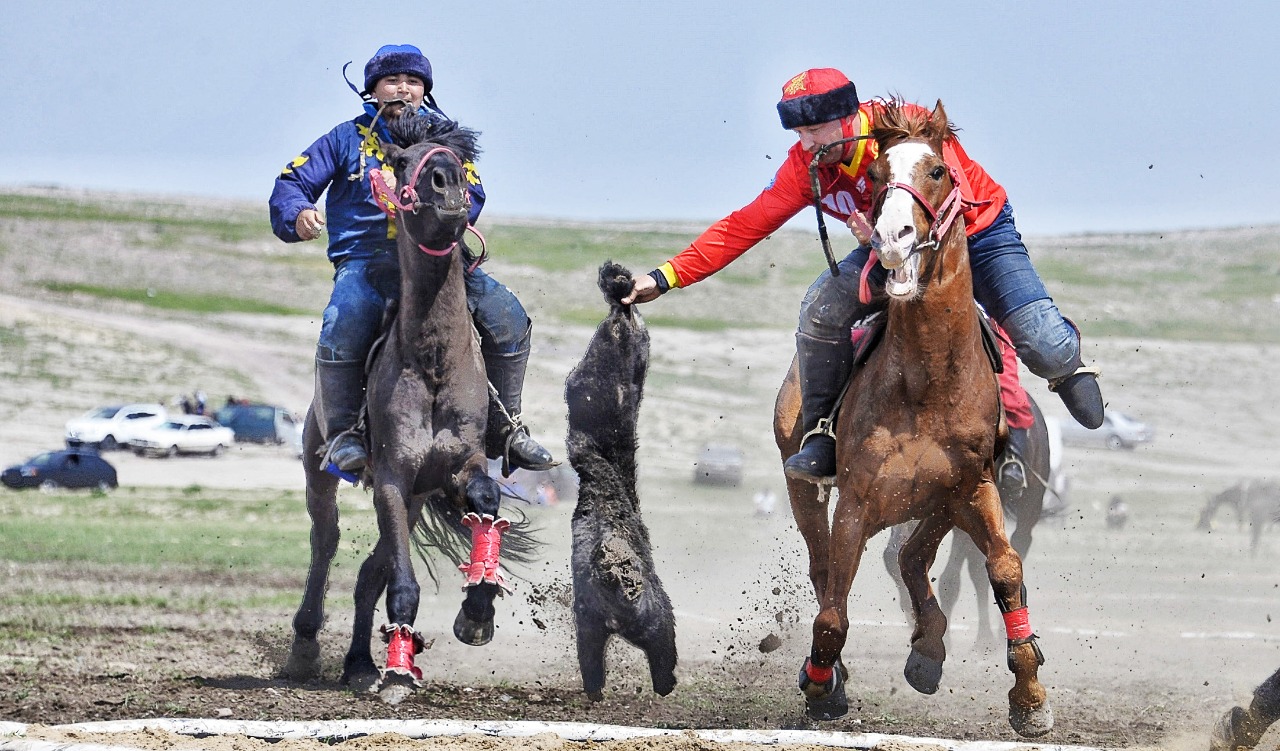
pixel 1079 391
pixel 1012 471
pixel 339 395
pixel 507 438
pixel 824 370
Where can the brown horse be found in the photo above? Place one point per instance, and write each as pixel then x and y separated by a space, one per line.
pixel 917 435
pixel 427 409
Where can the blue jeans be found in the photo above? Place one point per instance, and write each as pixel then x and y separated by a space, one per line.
pixel 1004 282
pixel 363 286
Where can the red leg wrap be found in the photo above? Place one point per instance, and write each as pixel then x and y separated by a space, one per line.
pixel 486 546
pixel 1017 625
pixel 402 644
pixel 817 674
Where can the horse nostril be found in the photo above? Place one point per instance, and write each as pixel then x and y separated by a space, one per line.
pixel 438 181
pixel 905 232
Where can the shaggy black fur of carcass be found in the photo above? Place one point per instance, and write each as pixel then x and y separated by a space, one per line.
pixel 615 587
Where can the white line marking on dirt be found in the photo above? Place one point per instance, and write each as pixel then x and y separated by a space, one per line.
pixel 339 730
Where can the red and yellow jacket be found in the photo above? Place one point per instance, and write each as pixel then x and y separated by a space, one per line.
pixel 844 186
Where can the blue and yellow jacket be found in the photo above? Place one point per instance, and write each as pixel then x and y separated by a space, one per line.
pixel 357 228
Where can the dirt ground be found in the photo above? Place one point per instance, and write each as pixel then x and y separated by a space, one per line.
pixel 1151 632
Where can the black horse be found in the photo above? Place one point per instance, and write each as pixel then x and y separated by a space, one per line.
pixel 427 405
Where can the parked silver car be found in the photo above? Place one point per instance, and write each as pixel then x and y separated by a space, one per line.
pixel 1118 431
pixel 183 434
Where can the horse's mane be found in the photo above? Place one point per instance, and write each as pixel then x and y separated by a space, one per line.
pixel 410 129
pixel 901 120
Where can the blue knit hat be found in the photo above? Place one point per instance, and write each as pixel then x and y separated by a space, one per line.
pixel 391 59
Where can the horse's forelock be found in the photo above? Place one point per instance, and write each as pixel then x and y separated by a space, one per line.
pixel 414 129
pixel 901 121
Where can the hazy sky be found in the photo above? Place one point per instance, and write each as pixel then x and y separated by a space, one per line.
pixel 1097 115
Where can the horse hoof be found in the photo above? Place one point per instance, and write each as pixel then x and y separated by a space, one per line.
pixel 1031 722
pixel 923 673
pixel 303 664
pixel 361 678
pixel 475 633
pixel 595 695
pixel 824 701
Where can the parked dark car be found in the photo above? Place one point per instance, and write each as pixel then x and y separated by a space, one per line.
pixel 260 423
pixel 69 468
pixel 718 464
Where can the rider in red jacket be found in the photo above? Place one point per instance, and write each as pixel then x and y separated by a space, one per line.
pixel 821 105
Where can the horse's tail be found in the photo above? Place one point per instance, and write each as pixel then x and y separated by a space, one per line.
pixel 439 533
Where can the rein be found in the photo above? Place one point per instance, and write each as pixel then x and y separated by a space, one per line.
pixel 816 186
pixel 410 201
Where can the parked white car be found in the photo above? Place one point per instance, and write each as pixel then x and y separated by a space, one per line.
pixel 113 426
pixel 184 434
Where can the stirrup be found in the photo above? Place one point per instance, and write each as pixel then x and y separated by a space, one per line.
pixel 1016 462
pixel 514 431
pixel 796 470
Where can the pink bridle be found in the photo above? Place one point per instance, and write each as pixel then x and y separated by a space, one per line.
pixel 409 200
pixel 940 220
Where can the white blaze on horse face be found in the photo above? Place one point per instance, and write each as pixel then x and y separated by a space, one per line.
pixel 895 234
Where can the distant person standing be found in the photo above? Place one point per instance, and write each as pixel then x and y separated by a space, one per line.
pixel 1242 728
pixel 362 248
pixel 765 500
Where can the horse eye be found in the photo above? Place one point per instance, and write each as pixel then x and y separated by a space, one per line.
pixel 937 173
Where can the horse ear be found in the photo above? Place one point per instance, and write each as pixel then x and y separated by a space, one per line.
pixel 939 127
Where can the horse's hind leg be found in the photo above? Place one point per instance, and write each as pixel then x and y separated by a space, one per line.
pixel 484 580
pixel 898 535
pixel 1029 711
pixel 322 506
pixel 924 664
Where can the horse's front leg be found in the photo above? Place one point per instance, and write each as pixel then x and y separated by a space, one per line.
pixel 810 509
pixel 924 664
pixel 1029 712
pixel 823 674
pixel 484 579
pixel 396 511
pixel 322 507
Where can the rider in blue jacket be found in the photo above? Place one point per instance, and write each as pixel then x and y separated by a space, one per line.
pixel 362 248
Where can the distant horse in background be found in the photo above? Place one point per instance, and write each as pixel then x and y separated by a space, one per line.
pixel 427 409
pixel 917 435
pixel 1255 502
pixel 1024 505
